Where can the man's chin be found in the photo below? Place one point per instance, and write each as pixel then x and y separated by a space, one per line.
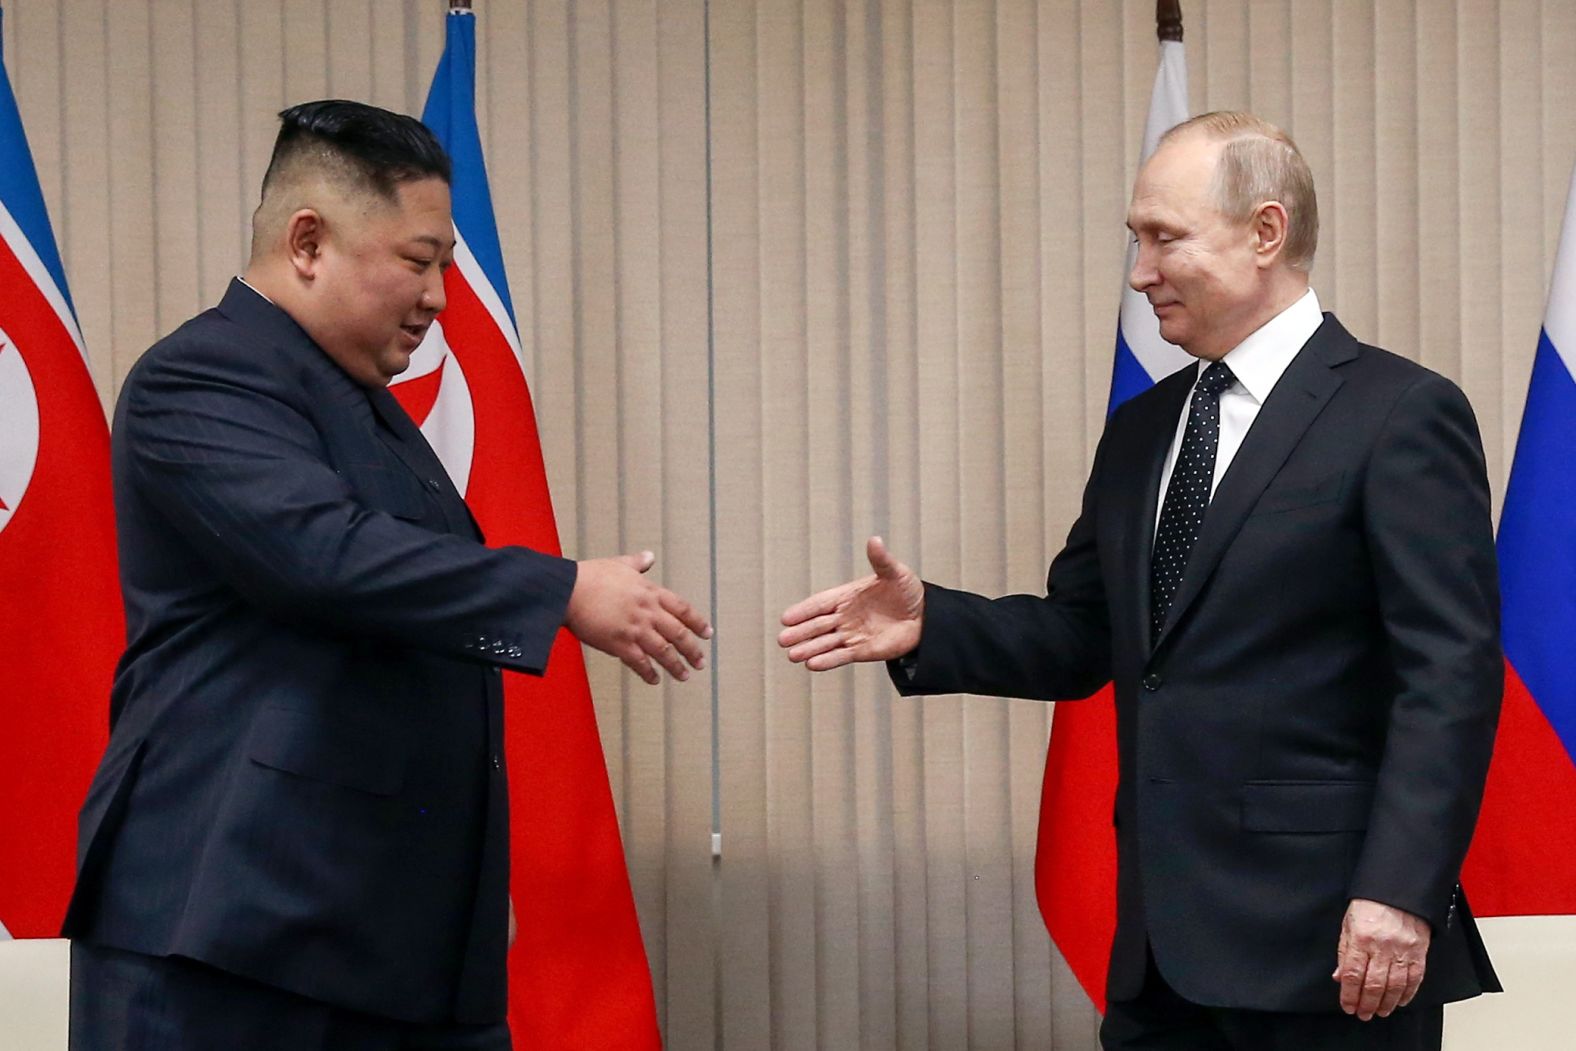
pixel 1172 331
pixel 394 364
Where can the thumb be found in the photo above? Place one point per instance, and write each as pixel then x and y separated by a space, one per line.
pixel 639 563
pixel 881 560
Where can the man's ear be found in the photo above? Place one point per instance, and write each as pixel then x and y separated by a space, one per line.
pixel 1270 226
pixel 305 233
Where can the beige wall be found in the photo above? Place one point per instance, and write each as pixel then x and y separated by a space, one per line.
pixel 789 272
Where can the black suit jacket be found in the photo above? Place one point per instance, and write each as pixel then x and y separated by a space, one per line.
pixel 1314 723
pixel 304 782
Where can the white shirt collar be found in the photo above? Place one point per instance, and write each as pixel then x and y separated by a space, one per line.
pixel 253 287
pixel 1259 360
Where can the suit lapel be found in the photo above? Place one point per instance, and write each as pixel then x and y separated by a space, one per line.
pixel 1154 431
pixel 397 433
pixel 400 434
pixel 1301 394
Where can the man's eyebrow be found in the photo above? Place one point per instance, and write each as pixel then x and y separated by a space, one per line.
pixel 437 243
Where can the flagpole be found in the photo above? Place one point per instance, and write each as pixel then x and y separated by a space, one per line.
pixel 1168 20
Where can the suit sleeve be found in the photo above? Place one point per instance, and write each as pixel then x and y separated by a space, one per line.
pixel 1051 648
pixel 1432 548
pixel 237 468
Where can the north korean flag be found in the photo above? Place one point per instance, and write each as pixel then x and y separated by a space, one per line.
pixel 578 975
pixel 61 625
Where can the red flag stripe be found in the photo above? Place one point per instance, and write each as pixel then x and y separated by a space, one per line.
pixel 60 614
pixel 578 928
pixel 1075 861
pixel 1523 857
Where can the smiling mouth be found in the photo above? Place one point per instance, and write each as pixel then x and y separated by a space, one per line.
pixel 416 332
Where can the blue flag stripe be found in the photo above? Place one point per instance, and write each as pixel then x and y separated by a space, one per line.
pixel 1537 555
pixel 1128 377
pixel 451 114
pixel 20 192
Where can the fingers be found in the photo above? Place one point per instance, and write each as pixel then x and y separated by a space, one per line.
pixel 641 665
pixel 678 636
pixel 819 604
pixel 1381 958
pixel 665 642
pixel 1394 987
pixel 815 647
pixel 789 638
pixel 688 615
pixel 1350 971
pixel 1414 981
pixel 667 655
pixel 832 659
pixel 1376 980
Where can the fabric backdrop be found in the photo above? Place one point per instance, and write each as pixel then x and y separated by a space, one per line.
pixel 789 272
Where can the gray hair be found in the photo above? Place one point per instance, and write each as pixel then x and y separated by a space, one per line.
pixel 1259 162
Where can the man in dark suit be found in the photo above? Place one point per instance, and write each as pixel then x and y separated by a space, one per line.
pixel 298 836
pixel 1285 562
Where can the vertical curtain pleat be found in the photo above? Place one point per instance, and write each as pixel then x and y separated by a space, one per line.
pixel 792 272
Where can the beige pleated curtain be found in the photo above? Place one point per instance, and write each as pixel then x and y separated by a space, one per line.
pixel 791 272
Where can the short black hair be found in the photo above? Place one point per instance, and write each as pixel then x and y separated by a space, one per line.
pixel 372 148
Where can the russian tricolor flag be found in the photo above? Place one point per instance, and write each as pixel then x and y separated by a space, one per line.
pixel 1075 861
pixel 61 625
pixel 1523 859
pixel 578 975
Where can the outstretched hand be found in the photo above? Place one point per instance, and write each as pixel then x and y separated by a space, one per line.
pixel 875 618
pixel 617 609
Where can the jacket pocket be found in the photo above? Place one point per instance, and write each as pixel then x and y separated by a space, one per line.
pixel 335 751
pixel 1306 806
pixel 1299 494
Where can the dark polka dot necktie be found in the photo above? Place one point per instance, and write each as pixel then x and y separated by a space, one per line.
pixel 1187 497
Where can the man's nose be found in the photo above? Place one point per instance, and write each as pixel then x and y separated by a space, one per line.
pixel 433 297
pixel 1144 275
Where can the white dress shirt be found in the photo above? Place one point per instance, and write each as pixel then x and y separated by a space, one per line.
pixel 253 287
pixel 1257 363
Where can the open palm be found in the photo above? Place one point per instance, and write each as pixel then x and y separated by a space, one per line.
pixel 875 618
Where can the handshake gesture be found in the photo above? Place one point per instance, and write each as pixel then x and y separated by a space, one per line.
pixel 875 618
pixel 617 609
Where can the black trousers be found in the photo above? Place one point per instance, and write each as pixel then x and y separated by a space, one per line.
pixel 1160 1020
pixel 124 1001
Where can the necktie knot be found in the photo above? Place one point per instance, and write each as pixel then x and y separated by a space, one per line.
pixel 1216 378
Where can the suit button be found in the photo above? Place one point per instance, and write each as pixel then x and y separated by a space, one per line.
pixel 432 483
pixel 1153 682
pixel 515 653
pixel 497 762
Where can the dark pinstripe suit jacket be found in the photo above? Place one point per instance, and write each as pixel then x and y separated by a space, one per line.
pixel 304 782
